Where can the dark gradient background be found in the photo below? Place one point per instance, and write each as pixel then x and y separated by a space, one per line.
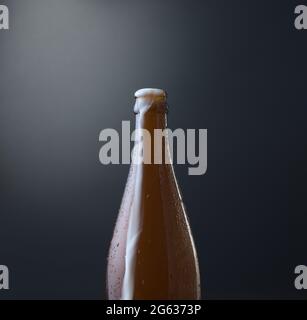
pixel 68 69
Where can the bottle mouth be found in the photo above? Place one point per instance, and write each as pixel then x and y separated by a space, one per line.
pixel 150 93
pixel 151 100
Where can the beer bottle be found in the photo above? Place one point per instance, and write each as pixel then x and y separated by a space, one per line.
pixel 152 254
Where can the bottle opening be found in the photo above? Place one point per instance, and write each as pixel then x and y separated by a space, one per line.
pixel 150 99
pixel 150 92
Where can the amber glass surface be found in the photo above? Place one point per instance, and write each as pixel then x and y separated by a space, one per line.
pixel 152 254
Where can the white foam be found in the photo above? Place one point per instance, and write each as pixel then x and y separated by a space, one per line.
pixel 150 91
pixel 133 235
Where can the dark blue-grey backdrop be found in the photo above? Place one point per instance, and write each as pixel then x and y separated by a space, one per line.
pixel 68 69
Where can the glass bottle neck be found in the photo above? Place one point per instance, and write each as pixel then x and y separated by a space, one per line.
pixel 151 137
pixel 151 112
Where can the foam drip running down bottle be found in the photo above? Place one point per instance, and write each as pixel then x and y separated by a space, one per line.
pixel 152 254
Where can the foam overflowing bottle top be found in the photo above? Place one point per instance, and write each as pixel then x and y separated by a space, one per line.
pixel 153 92
pixel 150 99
